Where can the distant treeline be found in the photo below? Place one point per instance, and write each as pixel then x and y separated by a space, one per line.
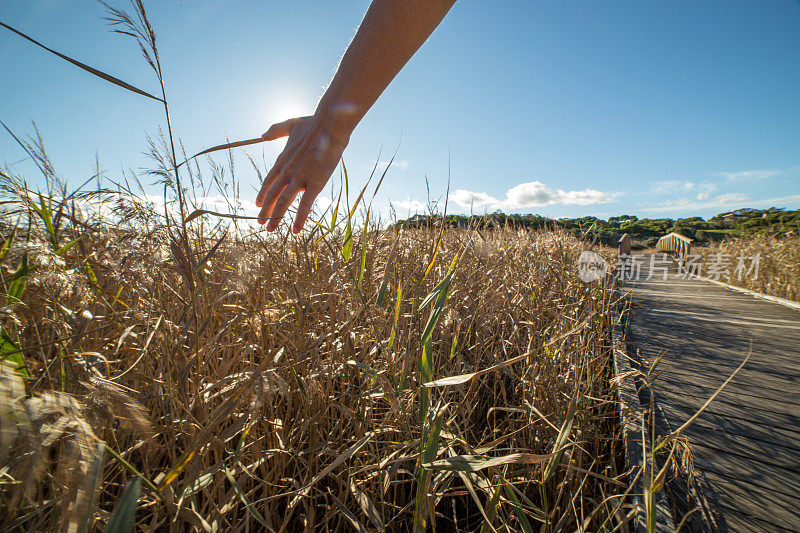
pixel 644 231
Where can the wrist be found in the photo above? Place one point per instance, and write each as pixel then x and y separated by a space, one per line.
pixel 337 118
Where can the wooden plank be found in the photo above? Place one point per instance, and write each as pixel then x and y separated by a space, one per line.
pixel 736 521
pixel 754 502
pixel 719 345
pixel 736 468
pixel 740 393
pixel 744 445
pixel 735 426
pixel 732 400
pixel 722 320
pixel 763 394
pixel 747 443
pixel 766 340
pixel 783 424
pixel 717 365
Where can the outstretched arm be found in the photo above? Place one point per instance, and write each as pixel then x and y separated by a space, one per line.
pixel 391 32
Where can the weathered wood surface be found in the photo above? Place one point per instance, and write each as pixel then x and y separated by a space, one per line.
pixel 674 242
pixel 746 445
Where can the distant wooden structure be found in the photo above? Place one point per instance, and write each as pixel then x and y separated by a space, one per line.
pixel 625 244
pixel 673 242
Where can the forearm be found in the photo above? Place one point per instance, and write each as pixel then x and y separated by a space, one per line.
pixel 391 32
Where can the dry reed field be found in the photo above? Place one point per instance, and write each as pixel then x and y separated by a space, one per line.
pixel 178 370
pixel 455 379
pixel 779 264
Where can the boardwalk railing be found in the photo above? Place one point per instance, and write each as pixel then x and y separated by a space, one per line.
pixel 673 242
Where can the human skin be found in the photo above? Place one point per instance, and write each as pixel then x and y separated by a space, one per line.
pixel 391 32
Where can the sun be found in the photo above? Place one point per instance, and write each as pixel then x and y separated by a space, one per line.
pixel 287 103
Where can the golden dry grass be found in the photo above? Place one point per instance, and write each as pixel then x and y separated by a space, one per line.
pixel 779 263
pixel 277 383
pixel 269 365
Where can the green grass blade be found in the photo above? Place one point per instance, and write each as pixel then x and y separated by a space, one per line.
pixel 124 514
pixel 347 247
pixel 100 74
pixel 519 512
pixel 396 315
pixel 90 275
pixel 560 445
pixel 454 345
pixel 46 214
pixel 250 508
pixel 491 512
pixel 16 283
pixel 435 253
pixel 9 351
pixel 382 290
pixel 7 244
pixel 64 249
pixel 426 363
pixel 363 264
pixel 130 468
pixel 226 146
pixel 336 211
pixel 436 311
pixel 436 292
pixel 430 449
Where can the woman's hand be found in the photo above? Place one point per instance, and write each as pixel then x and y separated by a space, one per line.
pixel 389 35
pixel 306 163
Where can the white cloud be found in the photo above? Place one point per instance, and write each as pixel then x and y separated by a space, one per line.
pixel 662 186
pixel 401 164
pixel 701 201
pixel 727 200
pixel 226 205
pixel 474 200
pixel 744 175
pixel 244 206
pixel 584 197
pixel 731 197
pixel 411 205
pixel 529 194
pixel 703 189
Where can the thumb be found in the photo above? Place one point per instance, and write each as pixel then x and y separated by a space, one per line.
pixel 281 129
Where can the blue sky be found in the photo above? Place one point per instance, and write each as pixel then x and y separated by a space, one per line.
pixel 570 108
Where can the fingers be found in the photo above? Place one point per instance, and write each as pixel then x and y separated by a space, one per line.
pixel 282 205
pixel 271 196
pixel 281 129
pixel 305 164
pixel 272 175
pixel 276 131
pixel 306 202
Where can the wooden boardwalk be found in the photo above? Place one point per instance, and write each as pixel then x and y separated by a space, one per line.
pixel 746 445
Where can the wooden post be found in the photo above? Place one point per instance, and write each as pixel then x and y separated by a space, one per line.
pixel 624 245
